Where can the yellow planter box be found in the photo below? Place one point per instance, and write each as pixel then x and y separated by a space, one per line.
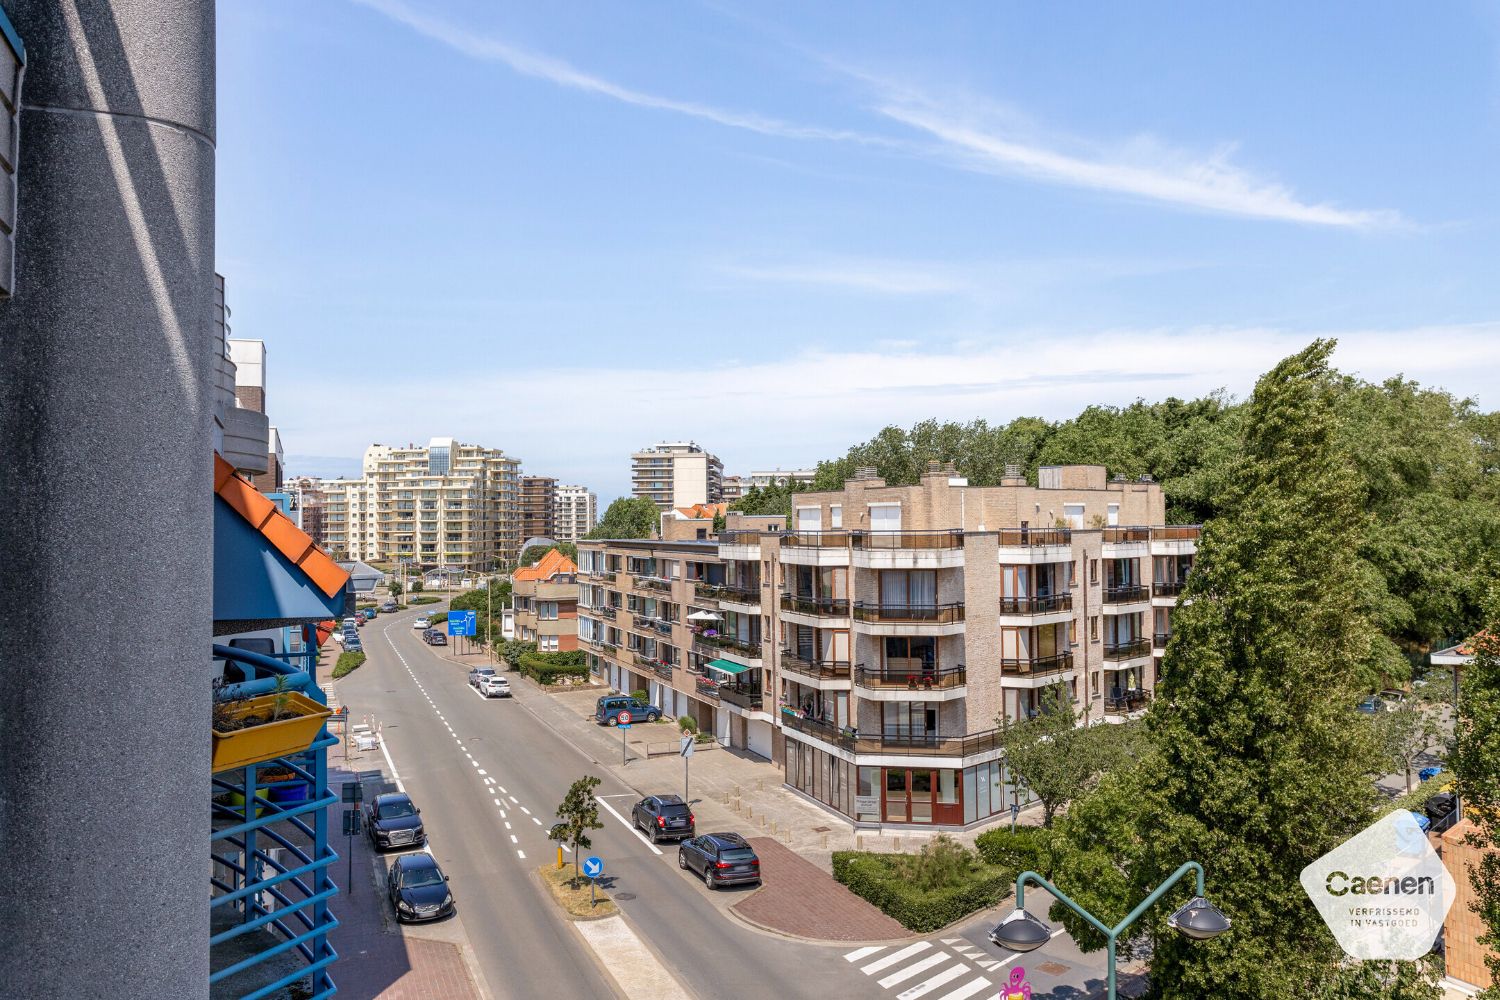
pixel 267 741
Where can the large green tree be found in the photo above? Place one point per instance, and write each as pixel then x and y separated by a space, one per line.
pixel 1256 767
pixel 629 517
pixel 534 553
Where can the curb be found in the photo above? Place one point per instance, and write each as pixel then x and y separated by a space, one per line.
pixel 759 927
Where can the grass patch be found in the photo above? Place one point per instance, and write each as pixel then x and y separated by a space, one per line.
pixel 572 896
pixel 347 663
pixel 926 891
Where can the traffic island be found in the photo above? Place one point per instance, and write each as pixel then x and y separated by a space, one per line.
pixel 573 894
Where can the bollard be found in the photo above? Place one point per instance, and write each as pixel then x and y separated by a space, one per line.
pixel 898 845
pixel 859 842
pixel 559 857
pixel 825 841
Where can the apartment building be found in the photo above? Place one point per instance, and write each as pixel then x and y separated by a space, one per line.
pixel 574 511
pixel 733 488
pixel 781 477
pixel 872 649
pixel 544 598
pixel 537 507
pixel 249 358
pixel 676 474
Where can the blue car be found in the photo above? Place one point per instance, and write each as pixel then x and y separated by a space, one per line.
pixel 1370 705
pixel 1429 772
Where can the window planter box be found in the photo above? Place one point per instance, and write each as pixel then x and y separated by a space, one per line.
pixel 270 740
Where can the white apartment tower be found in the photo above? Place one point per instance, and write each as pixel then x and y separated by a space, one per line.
pixel 574 511
pixel 676 474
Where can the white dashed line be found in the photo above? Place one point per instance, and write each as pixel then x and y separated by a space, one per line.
pixel 513 839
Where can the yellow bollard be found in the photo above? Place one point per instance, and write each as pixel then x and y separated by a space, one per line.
pixel 559 857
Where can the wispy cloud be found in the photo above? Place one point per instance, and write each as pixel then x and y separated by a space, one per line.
pixel 882 277
pixel 910 278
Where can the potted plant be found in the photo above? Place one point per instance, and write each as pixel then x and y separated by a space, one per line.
pixel 252 730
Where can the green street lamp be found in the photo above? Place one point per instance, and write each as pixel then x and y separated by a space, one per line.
pixel 1197 920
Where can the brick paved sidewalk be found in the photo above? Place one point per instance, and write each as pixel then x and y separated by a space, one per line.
pixel 799 898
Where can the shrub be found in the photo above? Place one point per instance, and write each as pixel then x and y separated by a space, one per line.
pixel 885 881
pixel 424 599
pixel 1024 850
pixel 546 668
pixel 347 662
pixel 703 737
pixel 1418 797
pixel 687 724
pixel 640 696
pixel 511 651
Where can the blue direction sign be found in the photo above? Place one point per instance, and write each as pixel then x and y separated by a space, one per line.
pixel 593 867
pixel 463 622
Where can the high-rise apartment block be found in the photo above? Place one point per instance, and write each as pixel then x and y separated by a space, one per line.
pixel 249 358
pixel 574 511
pixel 538 496
pixel 676 474
pixel 873 649
pixel 446 505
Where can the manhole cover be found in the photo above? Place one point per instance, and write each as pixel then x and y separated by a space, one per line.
pixel 1052 968
pixel 624 895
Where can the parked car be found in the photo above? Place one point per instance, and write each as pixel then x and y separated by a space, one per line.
pixel 1429 772
pixel 393 820
pixel 1392 699
pixel 423 622
pixel 720 858
pixel 349 623
pixel 338 636
pixel 478 674
pixel 418 889
pixel 370 612
pixel 494 686
pixel 663 816
pixel 359 618
pixel 434 637
pixel 353 645
pixel 1370 705
pixel 607 711
pixel 389 607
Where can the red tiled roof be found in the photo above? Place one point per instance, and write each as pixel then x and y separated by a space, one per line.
pixel 285 537
pixel 706 511
pixel 550 565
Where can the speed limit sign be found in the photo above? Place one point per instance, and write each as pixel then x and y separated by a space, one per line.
pixel 624 718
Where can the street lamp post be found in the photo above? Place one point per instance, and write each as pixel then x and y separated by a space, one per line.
pixel 1198 919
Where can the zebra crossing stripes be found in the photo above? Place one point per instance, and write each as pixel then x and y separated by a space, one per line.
pixel 926 973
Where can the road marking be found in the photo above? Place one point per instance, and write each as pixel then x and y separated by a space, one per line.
pixel 525 810
pixel 859 953
pixel 611 810
pixel 536 821
pixel 497 802
pixel 482 772
pixel 894 957
pixel 502 790
pixel 914 969
pixel 513 839
pixel 503 814
pixel 968 989
pixel 922 989
pixel 521 855
pixel 489 781
pixel 513 798
pixel 507 826
pixel 392 765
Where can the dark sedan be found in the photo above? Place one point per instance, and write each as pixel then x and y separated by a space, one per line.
pixel 394 821
pixel 433 637
pixel 663 816
pixel 720 858
pixel 418 889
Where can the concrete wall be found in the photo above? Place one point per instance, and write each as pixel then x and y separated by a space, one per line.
pixel 107 389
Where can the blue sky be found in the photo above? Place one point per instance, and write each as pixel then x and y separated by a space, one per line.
pixel 570 230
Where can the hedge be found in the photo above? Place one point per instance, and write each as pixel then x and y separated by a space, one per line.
pixel 347 662
pixel 425 600
pixel 1417 797
pixel 871 877
pixel 1021 851
pixel 546 668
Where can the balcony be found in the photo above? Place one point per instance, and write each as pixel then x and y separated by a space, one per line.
pixel 909 614
pixel 898 678
pixel 1130 593
pixel 1127 650
pixel 815 548
pixel 746 698
pixel 712 645
pixel 1050 604
pixel 648 582
pixel 1171 588
pixel 744 545
pixel 1037 666
pixel 730 593
pixel 951 539
pixel 1159 640
pixel 1121 536
pixel 815 607
pixel 661 669
pixel 1133 700
pixel 605 611
pixel 907 549
pixel 819 670
pixel 1033 546
pixel 1175 539
pixel 904 744
pixel 707 688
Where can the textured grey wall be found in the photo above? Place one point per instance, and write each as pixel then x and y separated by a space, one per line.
pixel 105 428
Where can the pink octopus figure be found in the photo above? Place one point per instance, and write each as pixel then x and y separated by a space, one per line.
pixel 1019 988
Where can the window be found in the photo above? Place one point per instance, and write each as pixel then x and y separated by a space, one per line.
pixel 908 588
pixel 885 517
pixel 1093 571
pixel 1093 628
pixel 547 610
pixel 1114 514
pixel 836 516
pixel 547 643
pixel 809 518
pixel 1073 514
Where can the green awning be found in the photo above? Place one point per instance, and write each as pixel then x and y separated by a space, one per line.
pixel 726 666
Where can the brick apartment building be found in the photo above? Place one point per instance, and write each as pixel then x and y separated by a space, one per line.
pixel 871 649
pixel 544 598
pixel 537 507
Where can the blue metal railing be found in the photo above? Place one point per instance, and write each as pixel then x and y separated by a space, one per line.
pixel 285 898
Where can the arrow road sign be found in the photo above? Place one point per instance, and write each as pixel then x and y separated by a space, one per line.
pixel 593 867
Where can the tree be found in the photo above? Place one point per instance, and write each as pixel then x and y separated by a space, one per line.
pixel 1058 759
pixel 416 586
pixel 1474 759
pixel 1251 723
pixel 394 587
pixel 533 554
pixel 1405 733
pixel 628 517
pixel 578 814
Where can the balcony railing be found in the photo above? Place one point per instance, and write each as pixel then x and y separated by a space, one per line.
pixel 836 607
pixel 1127 701
pixel 1131 534
pixel 729 592
pixel 1167 588
pixel 706 591
pixel 901 614
pixel 905 743
pixel 1035 536
pixel 1127 594
pixel 1037 664
pixel 822 669
pixel 740 537
pixel 1036 605
pixel 894 678
pixel 662 670
pixel 707 688
pixel 717 642
pixel 743 697
pixel 815 539
pixel 949 539
pixel 1159 639
pixel 662 626
pixel 653 582
pixel 605 611
pixel 1126 650
pixel 1177 532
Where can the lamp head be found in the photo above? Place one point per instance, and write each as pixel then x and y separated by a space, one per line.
pixel 1199 920
pixel 1020 931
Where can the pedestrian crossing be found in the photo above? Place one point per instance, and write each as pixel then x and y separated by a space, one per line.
pixel 952 969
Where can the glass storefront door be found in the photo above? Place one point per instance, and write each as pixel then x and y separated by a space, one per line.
pixel 895 796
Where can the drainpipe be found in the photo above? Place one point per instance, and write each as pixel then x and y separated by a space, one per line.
pixel 106 424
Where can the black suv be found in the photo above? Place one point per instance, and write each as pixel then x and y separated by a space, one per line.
pixel 418 889
pixel 394 821
pixel 721 858
pixel 663 816
pixel 434 637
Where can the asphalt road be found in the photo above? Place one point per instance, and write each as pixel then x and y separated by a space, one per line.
pixel 488 775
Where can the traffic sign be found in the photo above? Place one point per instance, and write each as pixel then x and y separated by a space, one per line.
pixel 353 791
pixel 624 718
pixel 593 867
pixel 351 822
pixel 463 623
pixel 686 750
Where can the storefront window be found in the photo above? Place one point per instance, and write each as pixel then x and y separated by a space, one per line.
pixel 947 788
pixel 868 791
